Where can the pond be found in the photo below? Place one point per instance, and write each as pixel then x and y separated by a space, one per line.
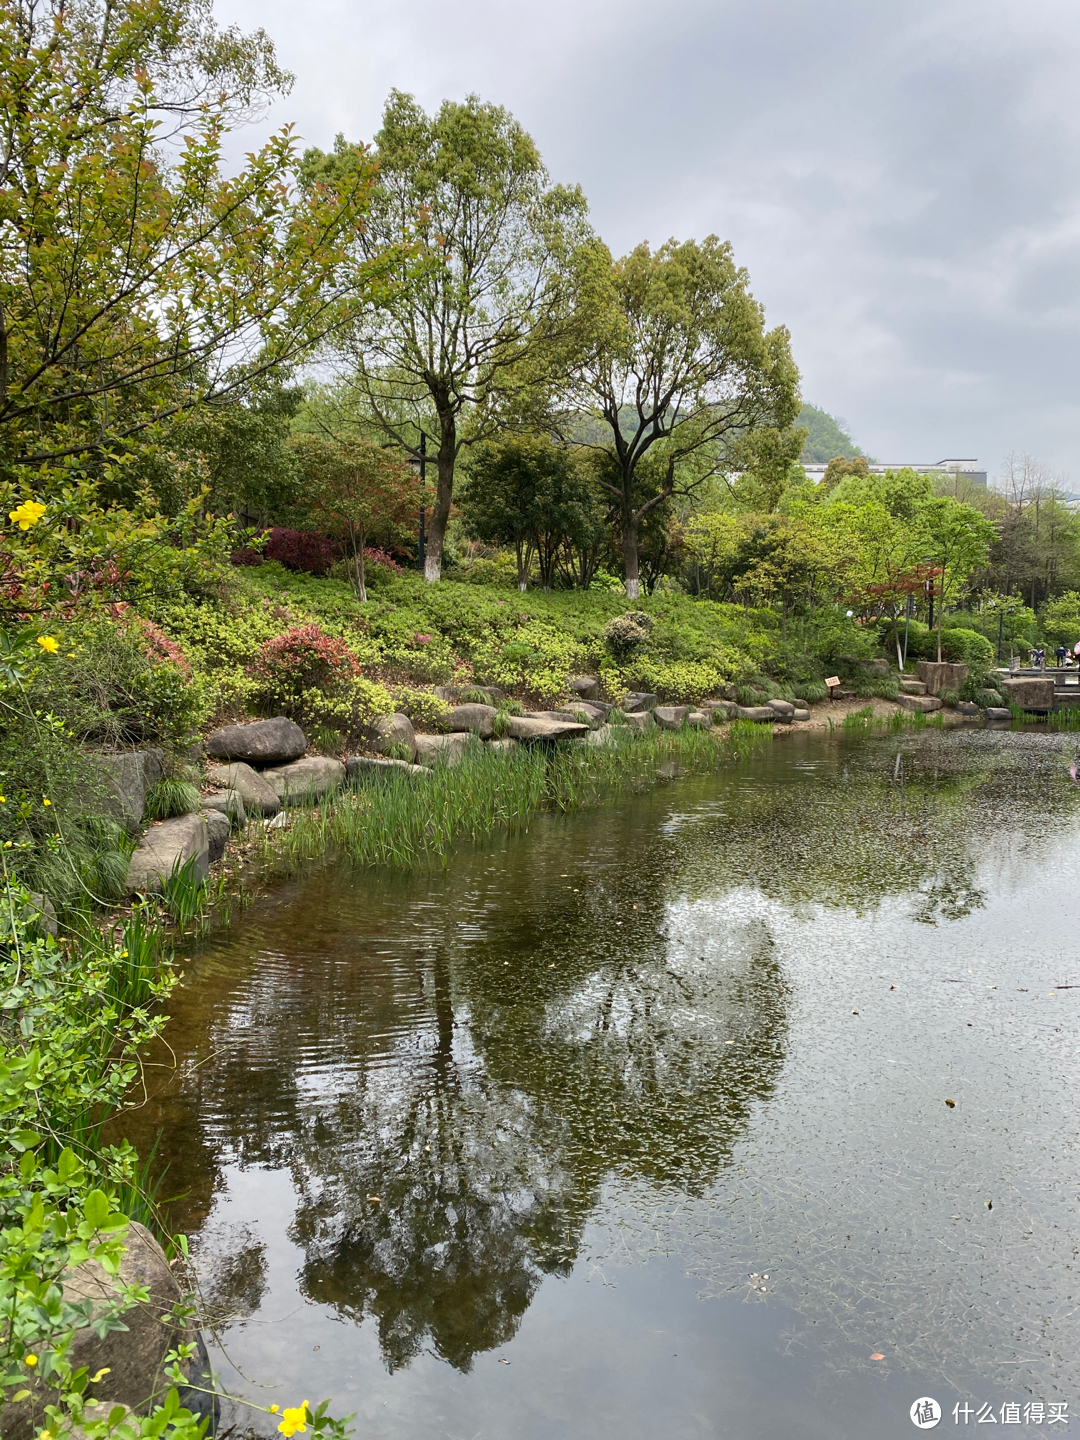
pixel 745 1107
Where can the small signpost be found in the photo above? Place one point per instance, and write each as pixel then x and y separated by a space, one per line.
pixel 833 682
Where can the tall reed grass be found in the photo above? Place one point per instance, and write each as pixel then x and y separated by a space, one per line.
pixel 402 820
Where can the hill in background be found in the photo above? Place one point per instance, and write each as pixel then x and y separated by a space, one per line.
pixel 826 437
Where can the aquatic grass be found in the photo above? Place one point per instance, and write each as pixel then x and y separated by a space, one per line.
pixel 402 820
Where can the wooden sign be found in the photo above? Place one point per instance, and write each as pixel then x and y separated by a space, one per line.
pixel 832 680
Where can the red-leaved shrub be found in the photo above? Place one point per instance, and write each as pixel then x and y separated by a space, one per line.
pixel 246 556
pixel 305 658
pixel 376 555
pixel 305 550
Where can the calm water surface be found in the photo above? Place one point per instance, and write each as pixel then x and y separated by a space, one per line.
pixel 635 1126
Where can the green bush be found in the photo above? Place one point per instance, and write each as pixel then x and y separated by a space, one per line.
pixel 987 697
pixel 966 647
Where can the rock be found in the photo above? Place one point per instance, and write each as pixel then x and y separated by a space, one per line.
pixel 362 767
pixel 480 719
pixel 445 749
pixel 452 694
pixel 966 707
pixel 801 715
pixel 998 713
pixel 874 667
pixel 590 715
pixel 727 709
pixel 670 717
pixel 165 848
pixel 756 712
pixel 217 833
pixel 640 700
pixel 783 708
pixel 586 687
pixel 605 735
pixel 533 727
pixel 277 822
pixel 912 687
pixel 1029 693
pixel 941 675
pixel 914 703
pixel 699 720
pixel 640 720
pixel 125 778
pixel 262 742
pixel 227 802
pixel 390 730
pixel 305 779
pixel 258 795
pixel 44 920
pixel 505 744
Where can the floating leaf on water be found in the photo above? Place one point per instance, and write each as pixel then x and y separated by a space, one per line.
pixel 951 1104
pixel 877 1355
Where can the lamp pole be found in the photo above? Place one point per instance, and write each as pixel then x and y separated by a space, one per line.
pixel 423 483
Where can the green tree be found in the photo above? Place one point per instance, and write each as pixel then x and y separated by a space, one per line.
pixel 354 486
pixel 136 278
pixel 527 492
pixel 677 362
pixel 460 336
pixel 957 539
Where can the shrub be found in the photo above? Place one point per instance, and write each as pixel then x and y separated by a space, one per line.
pixel 812 691
pixel 966 647
pixel 500 571
pixel 304 550
pixel 987 697
pixel 421 706
pixel 246 556
pixel 627 632
pixel 302 660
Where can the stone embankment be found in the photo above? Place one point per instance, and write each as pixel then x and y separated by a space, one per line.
pixel 254 771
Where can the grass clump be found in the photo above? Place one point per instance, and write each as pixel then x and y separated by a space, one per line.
pixel 171 797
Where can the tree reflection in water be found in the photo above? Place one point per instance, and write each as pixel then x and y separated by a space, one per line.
pixel 450 1068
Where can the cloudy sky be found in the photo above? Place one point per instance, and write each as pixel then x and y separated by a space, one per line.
pixel 901 180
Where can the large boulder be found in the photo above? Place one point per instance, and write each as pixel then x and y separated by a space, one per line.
pixel 217 833
pixel 998 715
pixel 939 675
pixel 638 701
pixel 801 715
pixel 534 727
pixel 504 745
pixel 783 709
pixel 585 687
pixel 392 730
pixel 229 803
pixel 760 713
pixel 699 720
pixel 447 750
pixel 305 779
pixel 262 742
pixel 480 719
pixel 604 736
pixel 133 1359
pixel 363 767
pixel 166 847
pixel 916 703
pixel 724 709
pixel 258 795
pixel 590 715
pixel 640 721
pixel 670 717
pixel 1029 692
pixel 125 777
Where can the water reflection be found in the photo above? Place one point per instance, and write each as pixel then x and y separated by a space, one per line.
pixel 454 1070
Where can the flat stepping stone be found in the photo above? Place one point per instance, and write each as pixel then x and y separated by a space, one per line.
pixel 915 704
pixel 364 767
pixel 533 727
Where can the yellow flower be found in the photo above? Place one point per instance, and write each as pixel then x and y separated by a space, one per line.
pixel 30 1359
pixel 274 1409
pixel 295 1420
pixel 46 802
pixel 47 642
pixel 26 514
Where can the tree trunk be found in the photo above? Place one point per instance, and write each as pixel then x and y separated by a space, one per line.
pixel 444 493
pixel 361 574
pixel 941 614
pixel 630 555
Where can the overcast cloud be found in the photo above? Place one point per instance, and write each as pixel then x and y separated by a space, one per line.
pixel 901 181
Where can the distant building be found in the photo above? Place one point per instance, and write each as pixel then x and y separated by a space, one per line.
pixel 968 469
